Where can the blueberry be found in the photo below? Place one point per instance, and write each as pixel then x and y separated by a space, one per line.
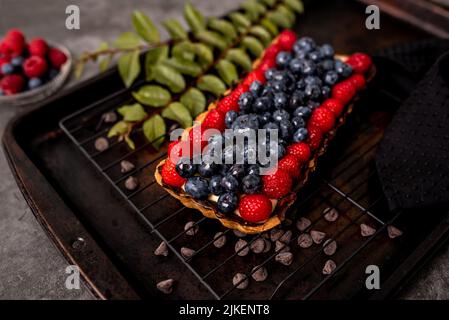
pixel 298 98
pixel 185 168
pixel 267 91
pixel 216 140
pixel 230 118
pixel 34 83
pixel 237 170
pixel 298 122
pixel 325 92
pixel 262 104
pixel 342 68
pixel 207 168
pixel 245 101
pixel 246 121
pixel 303 112
pixel 331 78
pixel 274 146
pixel 295 66
pixel 256 88
pixel 53 73
pixel 312 104
pixel 215 185
pixel 315 56
pixel 223 170
pixel 301 84
pixel 251 184
pixel 270 73
pixel 271 126
pixel 312 91
pixel 197 187
pixel 264 118
pixel 229 183
pixel 300 135
pixel 280 100
pixel 327 51
pixel 227 203
pixel 304 44
pixel 327 65
pixel 283 58
pixel 7 68
pixel 17 61
pixel 286 129
pixel 301 54
pixel 308 67
pixel 313 80
pixel 280 115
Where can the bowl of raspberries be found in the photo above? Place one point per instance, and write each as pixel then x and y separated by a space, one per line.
pixel 30 70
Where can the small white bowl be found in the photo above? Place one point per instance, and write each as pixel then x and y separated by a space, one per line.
pixel 42 92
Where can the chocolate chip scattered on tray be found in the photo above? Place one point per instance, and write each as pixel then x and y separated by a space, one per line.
pixel 258 245
pixel 131 183
pixel 220 240
pixel 267 245
pixel 286 237
pixel 305 241
pixel 329 267
pixel 317 236
pixel 281 247
pixel 238 248
pixel 166 286
pixel 275 234
pixel 240 281
pixel 260 274
pixel 331 214
pixel 329 247
pixel 101 144
pixel 187 252
pixel 109 117
pixel 303 223
pixel 393 232
pixel 161 250
pixel 239 234
pixel 126 166
pixel 191 228
pixel 366 230
pixel 286 258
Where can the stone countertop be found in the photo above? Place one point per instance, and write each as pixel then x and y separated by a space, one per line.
pixel 30 265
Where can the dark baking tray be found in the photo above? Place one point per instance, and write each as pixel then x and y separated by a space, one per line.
pixel 96 229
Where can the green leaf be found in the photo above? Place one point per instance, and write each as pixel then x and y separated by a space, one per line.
pixel 295 5
pixel 184 50
pixel 279 19
pixel 253 9
pixel 240 21
pixel 212 38
pixel 133 112
pixel 127 40
pixel 227 71
pixel 154 130
pixel 205 54
pixel 239 57
pixel 130 143
pixel 176 111
pixel 224 27
pixel 153 96
pixel 144 27
pixel 184 66
pixel 212 84
pixel 270 26
pixel 253 45
pixel 79 69
pixel 153 57
pixel 118 129
pixel 261 33
pixel 175 29
pixel 103 64
pixel 129 67
pixel 269 3
pixel 287 12
pixel 168 76
pixel 194 18
pixel 194 100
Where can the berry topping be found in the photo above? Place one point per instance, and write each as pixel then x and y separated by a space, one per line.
pixel 215 185
pixel 344 91
pixel 314 137
pixel 228 103
pixel 277 184
pixel 251 184
pixel 57 58
pixel 35 67
pixel 178 149
pixel 255 75
pixel 170 176
pixel 185 168
pixel 300 150
pixel 322 118
pixel 12 84
pixel 227 202
pixel 255 208
pixel 358 81
pixel 229 183
pixel 290 164
pixel 333 105
pixel 286 40
pixel 360 62
pixel 215 120
pixel 197 187
pixel 38 47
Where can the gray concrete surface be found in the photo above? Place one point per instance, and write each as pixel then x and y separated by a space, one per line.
pixel 30 266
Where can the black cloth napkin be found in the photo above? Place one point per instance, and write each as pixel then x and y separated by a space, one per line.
pixel 413 157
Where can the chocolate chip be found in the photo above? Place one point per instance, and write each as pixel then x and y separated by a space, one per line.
pixel 258 245
pixel 286 258
pixel 126 166
pixel 303 223
pixel 286 237
pixel 187 252
pixel 191 228
pixel 329 247
pixel 166 286
pixel 161 250
pixel 330 214
pixel 366 230
pixel 275 234
pixel 131 183
pixel 260 274
pixel 317 236
pixel 305 241
pixel 238 248
pixel 239 234
pixel 109 117
pixel 329 267
pixel 281 247
pixel 240 281
pixel 220 239
pixel 393 232
pixel 101 144
pixel 267 245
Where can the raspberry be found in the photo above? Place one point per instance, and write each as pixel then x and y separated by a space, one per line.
pixel 266 65
pixel 214 120
pixel 314 137
pixel 35 67
pixel 12 84
pixel 253 76
pixel 277 184
pixel 343 91
pixel 322 118
pixel 360 62
pixel 38 47
pixel 228 103
pixel 197 139
pixel 358 81
pixel 255 208
pixel 333 105
pixel 300 150
pixel 287 39
pixel 290 164
pixel 16 35
pixel 170 176
pixel 178 149
pixel 271 52
pixel 14 42
pixel 57 58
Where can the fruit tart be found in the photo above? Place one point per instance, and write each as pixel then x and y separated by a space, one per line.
pixel 298 89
